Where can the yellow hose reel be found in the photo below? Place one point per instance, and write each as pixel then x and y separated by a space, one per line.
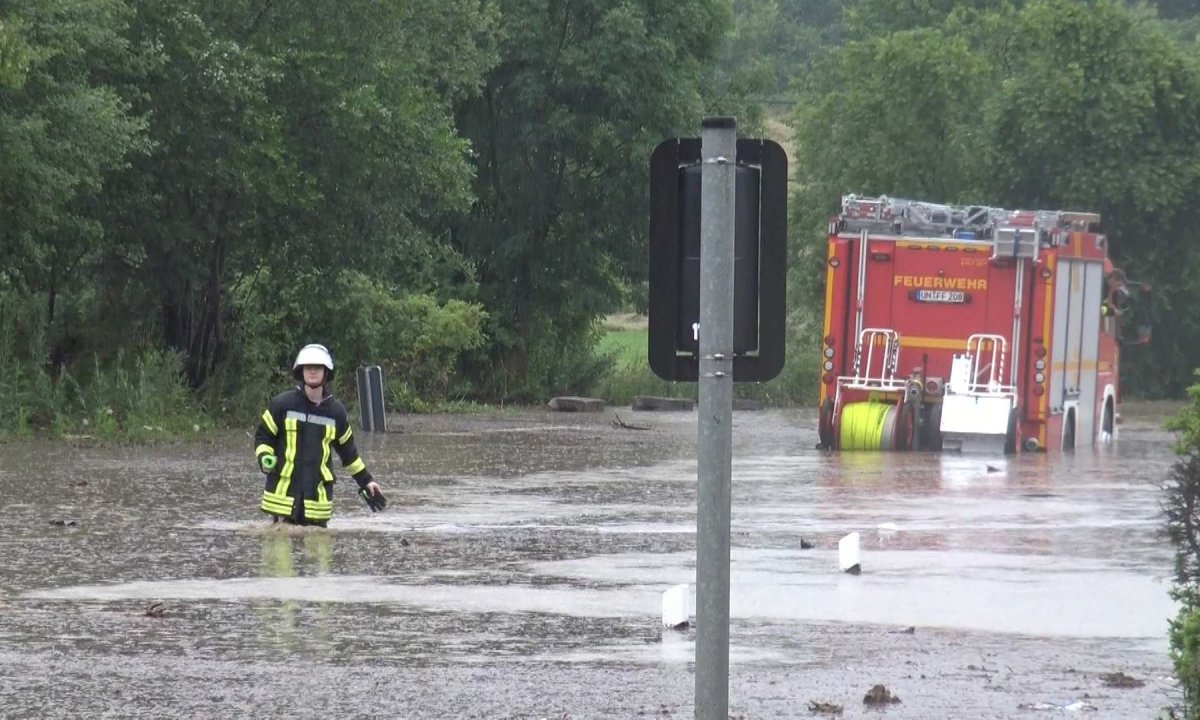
pixel 874 425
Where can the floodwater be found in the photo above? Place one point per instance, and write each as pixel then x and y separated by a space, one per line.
pixel 519 567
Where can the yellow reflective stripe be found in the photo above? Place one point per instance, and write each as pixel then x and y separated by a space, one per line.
pixel 345 438
pixel 276 504
pixel 318 510
pixel 289 465
pixel 263 450
pixel 270 422
pixel 356 467
pixel 271 500
pixel 325 441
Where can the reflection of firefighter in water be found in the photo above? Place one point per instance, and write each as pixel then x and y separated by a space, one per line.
pixel 295 436
pixel 277 560
pixel 281 624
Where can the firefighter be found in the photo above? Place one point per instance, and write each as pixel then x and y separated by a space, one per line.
pixel 293 442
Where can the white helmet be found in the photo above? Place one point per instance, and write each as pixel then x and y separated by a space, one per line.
pixel 312 354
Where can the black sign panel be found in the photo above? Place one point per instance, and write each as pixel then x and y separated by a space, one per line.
pixel 760 259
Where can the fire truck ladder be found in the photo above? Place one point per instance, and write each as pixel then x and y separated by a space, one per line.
pixel 872 424
pixel 915 216
pixel 981 370
pixel 977 410
pixel 875 359
pixel 888 214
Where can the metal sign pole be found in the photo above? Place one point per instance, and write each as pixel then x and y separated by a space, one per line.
pixel 718 139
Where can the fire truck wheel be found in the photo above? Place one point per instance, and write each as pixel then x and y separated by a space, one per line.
pixel 825 425
pixel 930 437
pixel 1010 439
pixel 1107 423
pixel 906 426
pixel 1068 443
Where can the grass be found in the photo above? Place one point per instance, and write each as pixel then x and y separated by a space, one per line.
pixel 628 347
pixel 626 341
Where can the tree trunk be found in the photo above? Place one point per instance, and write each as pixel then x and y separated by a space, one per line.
pixel 199 333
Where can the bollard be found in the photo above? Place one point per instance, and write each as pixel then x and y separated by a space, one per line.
pixel 848 557
pixel 675 607
pixel 370 399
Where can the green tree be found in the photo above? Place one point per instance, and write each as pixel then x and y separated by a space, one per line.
pixel 63 131
pixel 872 18
pixel 1181 506
pixel 1057 105
pixel 290 142
pixel 1176 9
pixel 892 115
pixel 203 206
pixel 773 42
pixel 562 131
pixel 15 54
pixel 1100 110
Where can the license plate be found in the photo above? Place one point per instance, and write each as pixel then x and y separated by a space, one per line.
pixel 941 296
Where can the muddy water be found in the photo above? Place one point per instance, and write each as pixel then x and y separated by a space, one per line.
pixel 518 571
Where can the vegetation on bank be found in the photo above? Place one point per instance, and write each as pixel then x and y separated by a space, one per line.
pixel 1181 502
pixel 458 190
pixel 625 344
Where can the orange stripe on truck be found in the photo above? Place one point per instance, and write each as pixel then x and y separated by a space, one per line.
pixel 829 270
pixel 933 343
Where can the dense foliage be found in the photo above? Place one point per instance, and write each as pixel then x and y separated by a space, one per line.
pixel 1181 501
pixel 1047 104
pixel 458 190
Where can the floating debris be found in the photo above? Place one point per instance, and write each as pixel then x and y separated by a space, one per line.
pixel 618 422
pixel 1077 706
pixel 156 611
pixel 806 545
pixel 880 695
pixel 63 523
pixel 824 708
pixel 1121 680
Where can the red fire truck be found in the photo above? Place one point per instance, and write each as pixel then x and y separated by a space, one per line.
pixel 970 328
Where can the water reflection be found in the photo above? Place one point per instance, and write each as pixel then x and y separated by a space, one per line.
pixel 553 547
pixel 290 625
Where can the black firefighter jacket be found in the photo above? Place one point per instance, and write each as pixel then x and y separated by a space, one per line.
pixel 302 434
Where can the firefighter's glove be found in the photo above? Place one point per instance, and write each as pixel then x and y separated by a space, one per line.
pixel 267 463
pixel 376 501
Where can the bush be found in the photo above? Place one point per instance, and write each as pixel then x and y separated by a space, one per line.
pixel 796 384
pixel 1181 503
pixel 1185 652
pixel 563 361
pixel 413 337
pixel 141 394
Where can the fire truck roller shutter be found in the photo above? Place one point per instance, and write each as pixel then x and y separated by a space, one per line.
pixel 875 425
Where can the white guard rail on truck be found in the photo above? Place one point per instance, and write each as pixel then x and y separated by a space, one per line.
pixel 977 410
